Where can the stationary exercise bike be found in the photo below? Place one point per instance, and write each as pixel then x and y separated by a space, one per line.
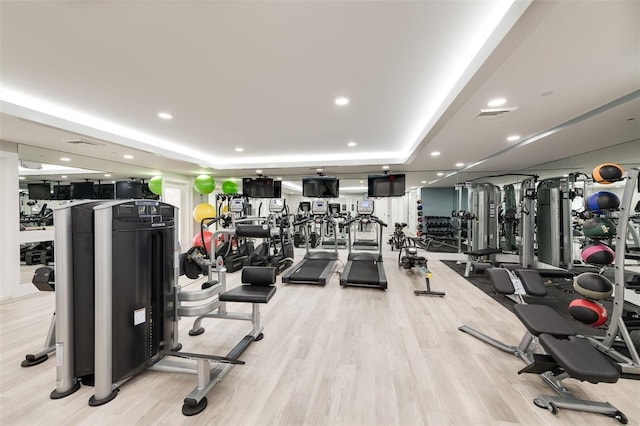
pixel 408 258
pixel 398 236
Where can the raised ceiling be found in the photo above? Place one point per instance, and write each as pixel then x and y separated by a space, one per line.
pixel 263 76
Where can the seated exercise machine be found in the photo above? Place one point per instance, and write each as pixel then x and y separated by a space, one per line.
pixel 408 258
pixel 44 280
pixel 316 267
pixel 364 269
pixel 118 301
pixel 566 355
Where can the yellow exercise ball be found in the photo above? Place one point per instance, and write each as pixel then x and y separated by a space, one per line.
pixel 203 211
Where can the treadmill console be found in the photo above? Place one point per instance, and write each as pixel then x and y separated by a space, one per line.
pixel 236 205
pixel 319 207
pixel 276 205
pixel 364 207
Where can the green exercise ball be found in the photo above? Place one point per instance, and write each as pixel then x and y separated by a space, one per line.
pixel 204 184
pixel 155 185
pixel 229 187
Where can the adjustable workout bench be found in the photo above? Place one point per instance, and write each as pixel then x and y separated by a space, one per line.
pixel 567 355
pixel 478 255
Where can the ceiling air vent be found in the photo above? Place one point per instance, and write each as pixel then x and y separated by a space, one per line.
pixel 493 114
pixel 80 141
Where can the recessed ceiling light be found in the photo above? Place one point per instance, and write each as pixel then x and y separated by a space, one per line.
pixel 459 164
pixel 279 178
pixel 513 138
pixel 440 174
pixel 385 167
pixel 341 101
pixel 128 156
pixel 496 102
pixel 435 153
pixel 165 115
pixel 107 175
pixel 203 167
pixel 258 171
pixel 22 178
pixel 361 181
pixel 352 144
pixel 65 159
pixel 319 169
pixel 423 181
pixel 239 149
pixel 63 176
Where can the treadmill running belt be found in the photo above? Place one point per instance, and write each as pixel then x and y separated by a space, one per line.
pixel 310 271
pixel 363 272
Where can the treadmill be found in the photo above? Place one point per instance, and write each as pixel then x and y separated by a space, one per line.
pixel 316 266
pixel 365 269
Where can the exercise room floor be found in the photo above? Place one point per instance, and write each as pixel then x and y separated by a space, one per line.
pixel 330 356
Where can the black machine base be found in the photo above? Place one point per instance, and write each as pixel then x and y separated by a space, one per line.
pixel 31 360
pixel 57 395
pixel 192 408
pixel 94 402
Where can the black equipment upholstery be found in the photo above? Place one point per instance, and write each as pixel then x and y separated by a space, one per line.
pixel 580 359
pixel 501 280
pixel 253 231
pixel 532 282
pixel 257 286
pixel 541 319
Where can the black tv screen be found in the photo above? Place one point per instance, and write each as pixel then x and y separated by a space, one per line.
pixel 128 189
pixel 104 191
pixel 61 192
pixel 390 185
pixel 261 188
pixel 39 191
pixel 82 190
pixel 320 186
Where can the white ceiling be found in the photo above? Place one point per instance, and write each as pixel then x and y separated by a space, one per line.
pixel 263 76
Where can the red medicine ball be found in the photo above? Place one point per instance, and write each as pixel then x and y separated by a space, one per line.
pixel 588 312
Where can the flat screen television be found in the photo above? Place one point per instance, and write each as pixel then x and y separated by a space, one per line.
pixel 320 186
pixel 261 188
pixel 39 191
pixel 104 191
pixel 389 185
pixel 82 190
pixel 127 189
pixel 61 192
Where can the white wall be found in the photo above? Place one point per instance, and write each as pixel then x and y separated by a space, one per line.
pixel 10 286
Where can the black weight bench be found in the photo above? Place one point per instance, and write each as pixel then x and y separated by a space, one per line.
pixel 566 355
pixel 477 256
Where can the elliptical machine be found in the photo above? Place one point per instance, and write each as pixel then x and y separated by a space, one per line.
pixel 398 236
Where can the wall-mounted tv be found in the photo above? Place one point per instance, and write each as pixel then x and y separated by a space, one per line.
pixel 320 186
pixel 104 191
pixel 261 188
pixel 389 185
pixel 127 189
pixel 39 191
pixel 61 192
pixel 82 190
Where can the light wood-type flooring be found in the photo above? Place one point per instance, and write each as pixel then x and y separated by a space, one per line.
pixel 330 356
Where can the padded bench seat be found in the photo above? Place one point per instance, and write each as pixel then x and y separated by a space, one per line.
pixel 248 294
pixel 580 359
pixel 483 252
pixel 541 319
